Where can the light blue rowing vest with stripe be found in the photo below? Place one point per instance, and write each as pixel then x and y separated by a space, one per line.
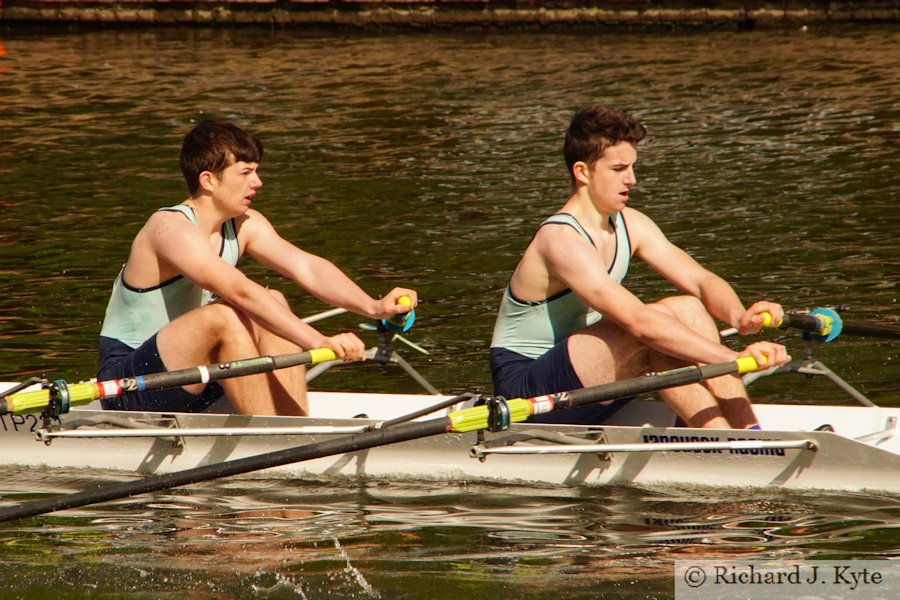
pixel 133 315
pixel 533 328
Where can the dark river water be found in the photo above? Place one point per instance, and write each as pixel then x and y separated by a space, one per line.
pixel 426 160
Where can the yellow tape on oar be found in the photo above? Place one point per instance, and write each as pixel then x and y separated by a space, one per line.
pixel 830 324
pixel 476 417
pixel 479 418
pixel 824 324
pixel 38 400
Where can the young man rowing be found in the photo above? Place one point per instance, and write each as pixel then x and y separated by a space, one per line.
pixel 180 300
pixel 567 322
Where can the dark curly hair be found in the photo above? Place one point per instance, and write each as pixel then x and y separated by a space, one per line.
pixel 212 146
pixel 594 129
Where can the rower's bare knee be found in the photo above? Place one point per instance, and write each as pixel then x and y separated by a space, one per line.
pixel 691 312
pixel 678 305
pixel 238 330
pixel 278 296
pixel 224 318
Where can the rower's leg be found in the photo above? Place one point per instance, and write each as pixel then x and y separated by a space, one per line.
pixel 728 391
pixel 279 392
pixel 604 352
pixel 220 333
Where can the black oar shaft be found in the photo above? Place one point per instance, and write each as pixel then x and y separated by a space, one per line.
pixel 341 445
pixel 863 329
pixel 649 383
pixel 801 322
pixel 216 372
pixel 811 324
pixel 86 392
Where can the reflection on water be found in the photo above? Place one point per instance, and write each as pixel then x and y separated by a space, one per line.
pixel 427 160
pixel 372 539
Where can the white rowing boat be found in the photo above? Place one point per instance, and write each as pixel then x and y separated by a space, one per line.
pixel 463 438
pixel 640 445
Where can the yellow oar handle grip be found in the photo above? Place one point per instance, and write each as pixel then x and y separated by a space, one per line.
pixel 321 355
pixel 401 323
pixel 748 364
pixel 767 321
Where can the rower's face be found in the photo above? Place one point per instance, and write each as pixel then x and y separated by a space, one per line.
pixel 238 183
pixel 612 176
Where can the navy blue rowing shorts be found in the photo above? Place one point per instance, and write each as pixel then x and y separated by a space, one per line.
pixel 518 376
pixel 118 360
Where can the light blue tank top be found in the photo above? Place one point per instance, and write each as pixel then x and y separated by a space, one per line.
pixel 533 328
pixel 133 315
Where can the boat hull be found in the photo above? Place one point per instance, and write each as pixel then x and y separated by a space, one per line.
pixel 828 460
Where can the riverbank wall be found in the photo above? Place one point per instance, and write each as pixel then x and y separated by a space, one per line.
pixel 748 14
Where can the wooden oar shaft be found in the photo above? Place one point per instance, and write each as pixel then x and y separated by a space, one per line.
pixel 87 392
pixel 468 419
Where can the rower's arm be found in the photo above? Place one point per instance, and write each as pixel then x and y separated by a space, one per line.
pixel 181 245
pixel 578 265
pixel 318 276
pixel 689 276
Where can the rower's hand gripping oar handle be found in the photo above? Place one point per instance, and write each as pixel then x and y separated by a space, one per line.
pixel 767 322
pixel 401 323
pixel 748 364
pixel 60 396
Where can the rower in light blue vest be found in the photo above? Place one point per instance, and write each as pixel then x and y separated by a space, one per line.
pixel 134 314
pixel 180 301
pixel 566 321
